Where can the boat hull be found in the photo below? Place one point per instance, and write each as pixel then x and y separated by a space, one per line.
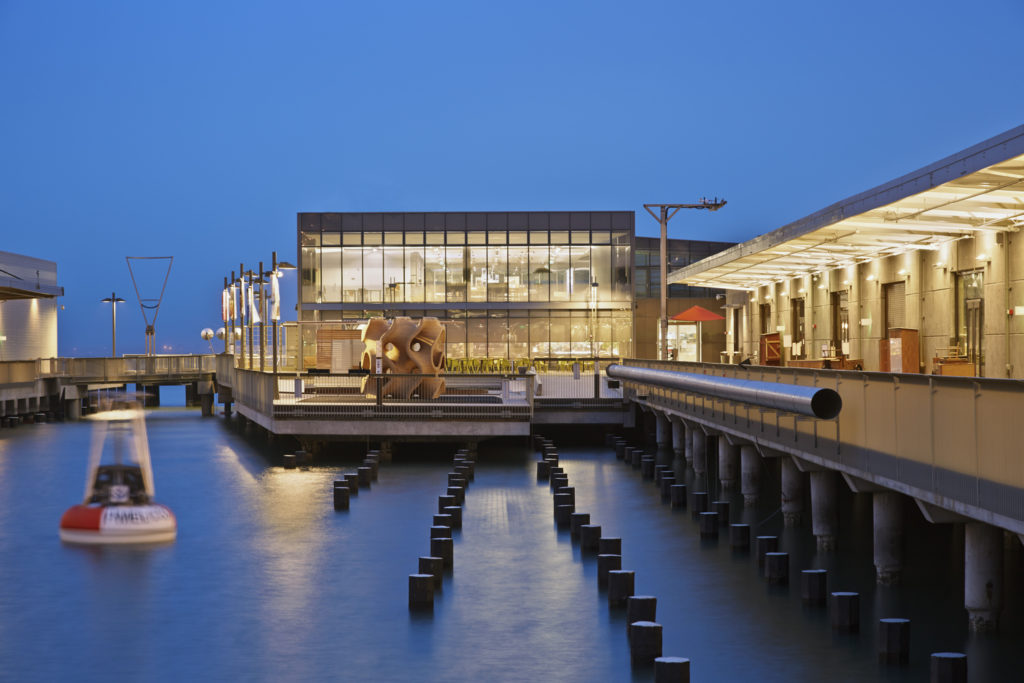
pixel 118 524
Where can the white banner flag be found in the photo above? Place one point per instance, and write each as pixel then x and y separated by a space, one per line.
pixel 224 305
pixel 275 306
pixel 254 314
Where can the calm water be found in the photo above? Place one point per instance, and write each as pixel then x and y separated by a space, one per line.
pixel 267 582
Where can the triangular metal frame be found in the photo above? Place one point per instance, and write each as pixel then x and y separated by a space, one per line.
pixel 145 304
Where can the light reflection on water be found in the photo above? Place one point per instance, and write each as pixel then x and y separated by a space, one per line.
pixel 267 582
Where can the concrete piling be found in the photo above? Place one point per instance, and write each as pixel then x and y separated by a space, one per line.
pixel 722 508
pixel 440 532
pixel 421 591
pixel 647 467
pixel 443 519
pixel 567 490
pixel 844 611
pixel 458 493
pixel 750 475
pixel 433 566
pixel 814 586
pixel 658 471
pixel 365 476
pixel 609 545
pixel 948 667
pixel 374 467
pixel 605 563
pixel 645 643
pixel 677 495
pixel 341 496
pixel 620 449
pixel 445 501
pixel 590 534
pixel 640 608
pixel 576 520
pixel 667 482
pixel 700 504
pixel 454 513
pixel 638 456
pixel 543 470
pixel 353 483
pixel 620 586
pixel 289 461
pixel 443 548
pixel 765 545
pixel 739 536
pixel 894 641
pixel 563 499
pixel 776 568
pixel 671 670
pixel 709 525
pixel 824 509
pixel 563 514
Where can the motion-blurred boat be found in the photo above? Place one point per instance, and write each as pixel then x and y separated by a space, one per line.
pixel 118 507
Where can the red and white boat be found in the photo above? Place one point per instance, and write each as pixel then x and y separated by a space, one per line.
pixel 118 507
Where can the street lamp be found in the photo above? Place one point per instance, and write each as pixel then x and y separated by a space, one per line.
pixel 113 300
pixel 663 217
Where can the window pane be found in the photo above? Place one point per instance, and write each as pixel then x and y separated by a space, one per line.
pixel 392 238
pixel 372 238
pixel 519 338
pixel 455 338
pixel 394 274
pixel 497 274
pixel 560 335
pixel 434 276
pixel 373 275
pixel 518 273
pixel 579 279
pixel 540 274
pixel 311 274
pixel 477 269
pixel 560 276
pixel 330 263
pixel 497 337
pixel 352 274
pixel 601 270
pixel 476 332
pixel 414 273
pixel 517 238
pixel 539 337
pixel 455 264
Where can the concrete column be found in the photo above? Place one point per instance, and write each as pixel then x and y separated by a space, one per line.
pixel 750 475
pixel 824 509
pixel 688 442
pixel 792 493
pixel 662 431
pixel 983 575
pixel 728 463
pixel 888 522
pixel 678 434
pixel 206 404
pixel 73 409
pixel 699 449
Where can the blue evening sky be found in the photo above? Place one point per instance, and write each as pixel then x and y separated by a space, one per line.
pixel 199 129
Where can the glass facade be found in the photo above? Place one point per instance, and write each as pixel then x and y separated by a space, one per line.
pixel 680 253
pixel 507 285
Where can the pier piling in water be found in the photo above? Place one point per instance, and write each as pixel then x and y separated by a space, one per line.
pixel 709 525
pixel 443 548
pixel 894 641
pixel 445 501
pixel 440 532
pixel 576 520
pixel 620 586
pixel 671 670
pixel 644 643
pixel 814 586
pixel 421 591
pixel 776 568
pixel 948 667
pixel 454 513
pixel 609 545
pixel 590 534
pixel 844 611
pixel 433 566
pixel 739 536
pixel 677 495
pixel 606 563
pixel 640 608
pixel 764 545
pixel 341 497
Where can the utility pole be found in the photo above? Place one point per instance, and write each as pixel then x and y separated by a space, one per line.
pixel 666 211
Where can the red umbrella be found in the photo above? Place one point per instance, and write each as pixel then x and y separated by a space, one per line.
pixel 697 314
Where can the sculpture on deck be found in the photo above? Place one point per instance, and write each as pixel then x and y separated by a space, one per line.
pixel 405 347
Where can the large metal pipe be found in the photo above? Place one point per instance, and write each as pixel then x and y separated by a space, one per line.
pixel 811 401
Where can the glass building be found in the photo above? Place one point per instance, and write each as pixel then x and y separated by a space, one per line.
pixel 508 285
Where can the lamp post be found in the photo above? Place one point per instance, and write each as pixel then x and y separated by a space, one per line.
pixel 666 212
pixel 113 300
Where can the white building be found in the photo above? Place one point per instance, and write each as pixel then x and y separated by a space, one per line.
pixel 28 307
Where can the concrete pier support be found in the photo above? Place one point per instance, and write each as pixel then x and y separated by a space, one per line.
pixel 206 404
pixel 678 444
pixel 662 432
pixel 792 493
pixel 688 430
pixel 983 576
pixel 824 509
pixel 73 409
pixel 888 522
pixel 750 475
pixel 227 409
pixel 700 452
pixel 728 464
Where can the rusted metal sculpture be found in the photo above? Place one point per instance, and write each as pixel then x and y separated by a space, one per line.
pixel 404 347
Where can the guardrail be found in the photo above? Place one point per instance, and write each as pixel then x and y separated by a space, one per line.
pixel 106 369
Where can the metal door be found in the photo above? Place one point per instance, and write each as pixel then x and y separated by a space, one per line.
pixel 975 319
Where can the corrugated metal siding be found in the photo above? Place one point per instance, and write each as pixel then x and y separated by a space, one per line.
pixel 30 326
pixel 895 305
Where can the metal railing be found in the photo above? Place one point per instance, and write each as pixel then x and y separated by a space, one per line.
pixel 124 368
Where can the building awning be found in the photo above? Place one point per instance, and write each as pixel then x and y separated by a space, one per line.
pixel 13 287
pixel 978 190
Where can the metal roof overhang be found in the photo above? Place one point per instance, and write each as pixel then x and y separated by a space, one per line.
pixel 978 190
pixel 16 288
